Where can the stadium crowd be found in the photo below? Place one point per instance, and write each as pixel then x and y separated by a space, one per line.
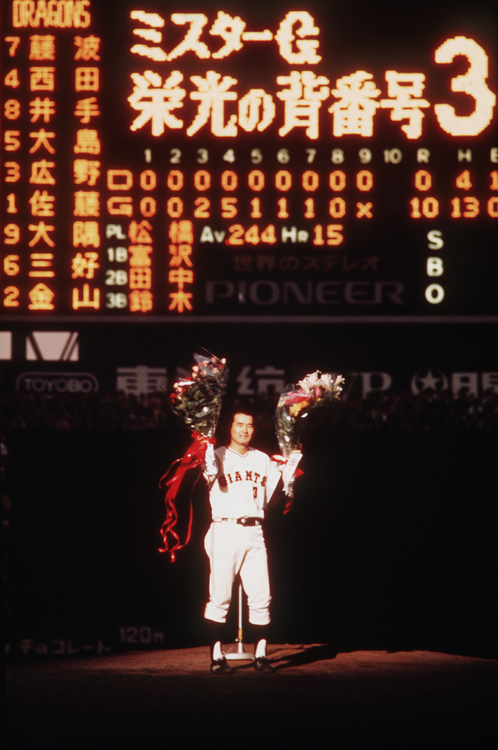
pixel 378 411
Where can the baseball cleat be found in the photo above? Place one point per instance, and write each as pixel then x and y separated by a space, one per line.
pixel 220 666
pixel 261 664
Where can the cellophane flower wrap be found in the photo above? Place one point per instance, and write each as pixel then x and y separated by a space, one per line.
pixel 197 400
pixel 300 410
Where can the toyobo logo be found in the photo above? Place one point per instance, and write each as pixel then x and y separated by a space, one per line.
pixel 57 382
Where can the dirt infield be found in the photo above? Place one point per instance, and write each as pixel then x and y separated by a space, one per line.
pixel 140 699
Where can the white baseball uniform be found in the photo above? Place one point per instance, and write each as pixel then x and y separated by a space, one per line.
pixel 241 490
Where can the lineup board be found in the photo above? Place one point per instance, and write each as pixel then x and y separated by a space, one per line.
pixel 222 162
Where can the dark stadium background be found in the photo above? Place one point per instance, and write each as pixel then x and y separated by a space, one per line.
pixel 391 543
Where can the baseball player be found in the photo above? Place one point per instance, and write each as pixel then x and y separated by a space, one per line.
pixel 241 482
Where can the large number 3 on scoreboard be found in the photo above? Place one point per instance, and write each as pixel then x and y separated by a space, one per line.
pixel 473 82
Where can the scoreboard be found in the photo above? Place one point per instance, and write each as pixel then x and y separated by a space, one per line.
pixel 271 162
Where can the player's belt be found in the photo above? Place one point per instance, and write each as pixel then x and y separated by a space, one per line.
pixel 240 521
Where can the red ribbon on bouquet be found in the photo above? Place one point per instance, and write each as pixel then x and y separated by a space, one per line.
pixel 194 456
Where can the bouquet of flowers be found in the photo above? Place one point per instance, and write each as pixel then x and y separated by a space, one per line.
pixel 197 401
pixel 299 411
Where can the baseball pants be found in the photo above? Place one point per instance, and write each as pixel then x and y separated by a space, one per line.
pixel 235 549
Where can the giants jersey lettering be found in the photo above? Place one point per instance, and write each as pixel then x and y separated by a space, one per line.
pixel 244 484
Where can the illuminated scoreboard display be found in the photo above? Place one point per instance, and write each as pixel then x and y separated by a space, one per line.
pixel 275 162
